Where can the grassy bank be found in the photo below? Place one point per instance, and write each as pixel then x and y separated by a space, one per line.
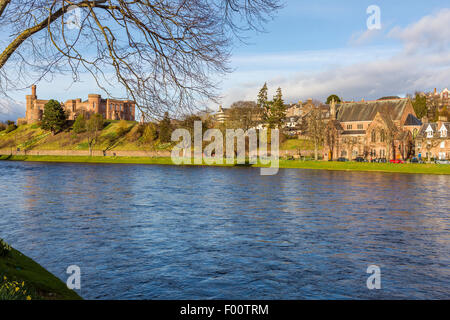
pixel 22 278
pixel 321 165
pixel 111 138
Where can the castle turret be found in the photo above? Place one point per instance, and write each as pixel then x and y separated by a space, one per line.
pixel 31 115
pixel 94 102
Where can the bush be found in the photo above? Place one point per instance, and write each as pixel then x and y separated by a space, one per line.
pixel 149 135
pixel 123 128
pixel 80 124
pixel 5 248
pixel 11 127
pixel 2 126
pixel 13 290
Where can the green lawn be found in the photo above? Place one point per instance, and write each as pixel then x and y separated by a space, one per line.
pixel 366 166
pixel 39 283
pixel 322 165
pixel 294 144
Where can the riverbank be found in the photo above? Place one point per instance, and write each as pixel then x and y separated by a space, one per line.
pixel 33 281
pixel 293 164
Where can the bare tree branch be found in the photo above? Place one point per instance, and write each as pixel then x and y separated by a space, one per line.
pixel 168 55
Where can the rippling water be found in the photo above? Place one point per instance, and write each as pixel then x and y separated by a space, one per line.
pixel 165 232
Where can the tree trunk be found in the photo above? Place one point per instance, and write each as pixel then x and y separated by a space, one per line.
pixel 315 150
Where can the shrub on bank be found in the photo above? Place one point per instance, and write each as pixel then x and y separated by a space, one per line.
pixel 5 248
pixel 11 127
pixel 13 290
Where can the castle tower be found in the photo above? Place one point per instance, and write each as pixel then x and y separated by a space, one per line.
pixel 31 115
pixel 94 103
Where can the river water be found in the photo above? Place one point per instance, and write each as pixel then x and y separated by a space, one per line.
pixel 169 232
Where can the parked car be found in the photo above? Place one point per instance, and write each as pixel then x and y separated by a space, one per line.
pixel 416 160
pixel 360 159
pixel 342 159
pixel 382 160
pixel 396 161
pixel 442 161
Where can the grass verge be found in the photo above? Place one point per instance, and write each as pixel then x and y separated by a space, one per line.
pixel 320 165
pixel 39 283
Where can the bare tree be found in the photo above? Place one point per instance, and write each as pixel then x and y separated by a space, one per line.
pixel 315 128
pixel 93 128
pixel 244 115
pixel 332 134
pixel 163 52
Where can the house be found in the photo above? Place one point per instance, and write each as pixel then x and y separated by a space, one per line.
pixel 111 109
pixel 433 140
pixel 371 129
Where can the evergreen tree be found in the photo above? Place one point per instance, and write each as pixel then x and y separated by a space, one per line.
pixel 264 103
pixel 420 105
pixel 335 97
pixel 165 129
pixel 80 124
pixel 54 117
pixel 278 110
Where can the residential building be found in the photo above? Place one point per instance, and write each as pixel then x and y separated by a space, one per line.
pixel 433 140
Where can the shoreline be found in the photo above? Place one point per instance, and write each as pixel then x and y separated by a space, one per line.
pixel 38 281
pixel 436 169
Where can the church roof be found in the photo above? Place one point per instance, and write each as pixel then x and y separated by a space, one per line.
pixel 366 110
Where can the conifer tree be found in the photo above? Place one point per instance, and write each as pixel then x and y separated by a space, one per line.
pixel 165 129
pixel 54 117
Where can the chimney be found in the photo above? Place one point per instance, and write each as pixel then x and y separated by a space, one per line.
pixel 33 90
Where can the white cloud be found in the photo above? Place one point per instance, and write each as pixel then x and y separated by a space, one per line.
pixel 429 33
pixel 364 72
pixel 11 110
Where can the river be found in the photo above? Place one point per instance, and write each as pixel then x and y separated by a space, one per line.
pixel 174 232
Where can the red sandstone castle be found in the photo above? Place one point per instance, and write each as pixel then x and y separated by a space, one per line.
pixel 111 109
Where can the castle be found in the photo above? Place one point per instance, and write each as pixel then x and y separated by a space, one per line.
pixel 111 109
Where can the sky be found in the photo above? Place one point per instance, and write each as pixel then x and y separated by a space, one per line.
pixel 312 49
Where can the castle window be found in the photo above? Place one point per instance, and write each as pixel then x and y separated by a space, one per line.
pixel 382 136
pixel 349 127
pixel 360 126
pixel 442 146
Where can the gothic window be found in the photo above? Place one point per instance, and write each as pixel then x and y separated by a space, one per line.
pixel 382 136
pixel 349 127
pixel 373 137
pixel 360 126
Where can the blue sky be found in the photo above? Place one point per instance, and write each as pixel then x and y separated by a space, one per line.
pixel 315 48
